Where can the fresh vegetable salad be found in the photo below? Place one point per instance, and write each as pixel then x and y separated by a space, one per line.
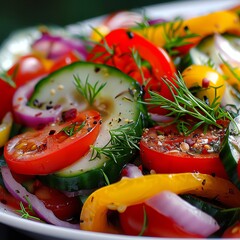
pixel 132 128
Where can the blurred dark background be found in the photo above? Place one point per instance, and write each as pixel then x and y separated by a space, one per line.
pixel 16 14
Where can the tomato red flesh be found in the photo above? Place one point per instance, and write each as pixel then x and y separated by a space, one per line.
pixel 164 150
pixel 233 231
pixel 158 225
pixel 52 148
pixel 65 208
pixel 122 45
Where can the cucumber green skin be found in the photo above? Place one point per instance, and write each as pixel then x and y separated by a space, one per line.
pixel 224 218
pixel 95 178
pixel 228 161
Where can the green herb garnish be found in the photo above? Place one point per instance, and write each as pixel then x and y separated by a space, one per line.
pixel 186 104
pixel 73 128
pixel 123 141
pixel 172 37
pixel 24 213
pixel 88 91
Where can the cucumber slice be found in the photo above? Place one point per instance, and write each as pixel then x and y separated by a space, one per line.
pixel 123 118
pixel 225 217
pixel 230 151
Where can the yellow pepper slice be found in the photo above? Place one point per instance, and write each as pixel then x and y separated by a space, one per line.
pixel 5 128
pixel 211 83
pixel 216 22
pixel 130 191
pixel 233 76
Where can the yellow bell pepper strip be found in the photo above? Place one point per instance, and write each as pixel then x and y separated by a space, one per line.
pixel 232 74
pixel 131 191
pixel 211 84
pixel 216 22
pixel 5 128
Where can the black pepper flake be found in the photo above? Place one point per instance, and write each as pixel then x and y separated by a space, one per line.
pixel 186 28
pixel 130 34
pixel 81 221
pixel 17 191
pixel 204 182
pixel 3 201
pixel 52 132
pixel 48 107
pixel 92 198
pixel 97 69
pixel 89 129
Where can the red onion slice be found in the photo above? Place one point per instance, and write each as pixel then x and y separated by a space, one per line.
pixel 19 192
pixel 54 47
pixel 131 171
pixel 226 50
pixel 29 116
pixel 190 218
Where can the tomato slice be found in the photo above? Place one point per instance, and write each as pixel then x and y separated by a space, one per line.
pixel 233 231
pixel 164 150
pixel 7 199
pixel 54 147
pixel 63 207
pixel 118 49
pixel 66 59
pixel 24 70
pixel 158 225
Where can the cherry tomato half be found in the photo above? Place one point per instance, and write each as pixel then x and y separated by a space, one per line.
pixel 121 48
pixel 65 208
pixel 25 69
pixel 164 150
pixel 233 231
pixel 7 199
pixel 54 147
pixel 158 225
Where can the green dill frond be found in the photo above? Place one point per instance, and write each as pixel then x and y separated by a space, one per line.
pixel 7 78
pixel 172 38
pixel 87 90
pixel 23 212
pixel 73 128
pixel 123 141
pixel 184 103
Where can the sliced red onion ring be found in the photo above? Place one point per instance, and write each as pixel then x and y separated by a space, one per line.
pixel 226 50
pixel 123 19
pixel 29 116
pixel 54 47
pixel 160 118
pixel 19 192
pixel 190 218
pixel 131 171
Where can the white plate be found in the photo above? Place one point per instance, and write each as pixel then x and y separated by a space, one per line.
pixel 46 231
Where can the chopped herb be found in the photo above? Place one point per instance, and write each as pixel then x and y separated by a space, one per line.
pixel 24 213
pixel 172 37
pixel 7 78
pixel 105 177
pixel 88 91
pixel 186 104
pixel 123 140
pixel 145 222
pixel 73 128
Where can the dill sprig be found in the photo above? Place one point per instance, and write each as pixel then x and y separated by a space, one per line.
pixel 23 211
pixel 7 78
pixel 184 104
pixel 145 222
pixel 123 141
pixel 87 90
pixel 73 128
pixel 172 37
